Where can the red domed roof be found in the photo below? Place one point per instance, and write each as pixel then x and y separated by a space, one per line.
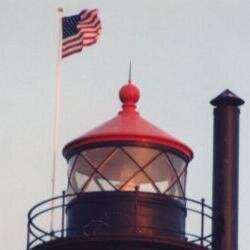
pixel 128 126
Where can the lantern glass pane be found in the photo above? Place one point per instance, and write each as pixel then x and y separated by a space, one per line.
pixel 80 180
pixel 175 190
pixel 81 170
pixel 103 183
pixel 93 187
pixel 160 173
pixel 179 166
pixel 177 162
pixel 162 185
pixel 183 181
pixel 71 163
pixel 97 155
pixel 141 155
pixel 70 190
pixel 160 169
pixel 119 168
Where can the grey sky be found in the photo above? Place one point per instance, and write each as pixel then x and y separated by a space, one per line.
pixel 184 53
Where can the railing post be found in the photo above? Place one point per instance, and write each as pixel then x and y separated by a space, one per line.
pixel 63 212
pixel 202 221
pixel 28 234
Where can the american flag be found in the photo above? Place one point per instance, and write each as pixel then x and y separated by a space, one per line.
pixel 80 31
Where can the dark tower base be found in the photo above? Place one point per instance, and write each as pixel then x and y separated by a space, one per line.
pixel 118 243
pixel 125 213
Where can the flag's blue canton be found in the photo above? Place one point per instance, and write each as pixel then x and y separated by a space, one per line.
pixel 69 25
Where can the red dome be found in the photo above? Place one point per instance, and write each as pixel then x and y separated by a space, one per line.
pixel 128 126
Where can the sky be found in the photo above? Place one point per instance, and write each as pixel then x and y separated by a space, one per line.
pixel 183 53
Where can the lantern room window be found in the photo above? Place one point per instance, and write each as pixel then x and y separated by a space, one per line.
pixel 127 168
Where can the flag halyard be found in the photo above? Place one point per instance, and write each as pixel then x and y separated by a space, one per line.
pixel 80 31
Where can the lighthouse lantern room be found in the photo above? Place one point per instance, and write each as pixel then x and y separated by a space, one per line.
pixel 127 153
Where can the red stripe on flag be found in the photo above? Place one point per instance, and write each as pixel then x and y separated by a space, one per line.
pixel 71 52
pixel 72 46
pixel 90 43
pixel 79 36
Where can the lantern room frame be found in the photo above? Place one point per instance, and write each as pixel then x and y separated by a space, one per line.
pixel 179 177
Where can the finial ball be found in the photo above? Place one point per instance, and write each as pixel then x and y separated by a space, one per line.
pixel 129 93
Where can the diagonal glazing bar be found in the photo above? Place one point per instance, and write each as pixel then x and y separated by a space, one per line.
pixel 177 178
pixel 96 169
pixel 99 184
pixel 70 175
pixel 97 172
pixel 141 169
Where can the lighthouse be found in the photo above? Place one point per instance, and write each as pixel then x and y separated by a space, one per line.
pixel 126 190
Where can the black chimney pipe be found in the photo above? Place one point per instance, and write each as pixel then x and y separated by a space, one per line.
pixel 226 171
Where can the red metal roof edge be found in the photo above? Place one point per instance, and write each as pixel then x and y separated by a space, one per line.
pixel 85 141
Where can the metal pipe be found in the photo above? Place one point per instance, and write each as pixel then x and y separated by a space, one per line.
pixel 225 171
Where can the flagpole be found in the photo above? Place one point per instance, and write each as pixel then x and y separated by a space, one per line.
pixel 56 113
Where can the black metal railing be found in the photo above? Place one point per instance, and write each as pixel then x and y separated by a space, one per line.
pixel 52 211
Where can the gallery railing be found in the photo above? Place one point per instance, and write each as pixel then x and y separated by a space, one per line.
pixel 40 230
